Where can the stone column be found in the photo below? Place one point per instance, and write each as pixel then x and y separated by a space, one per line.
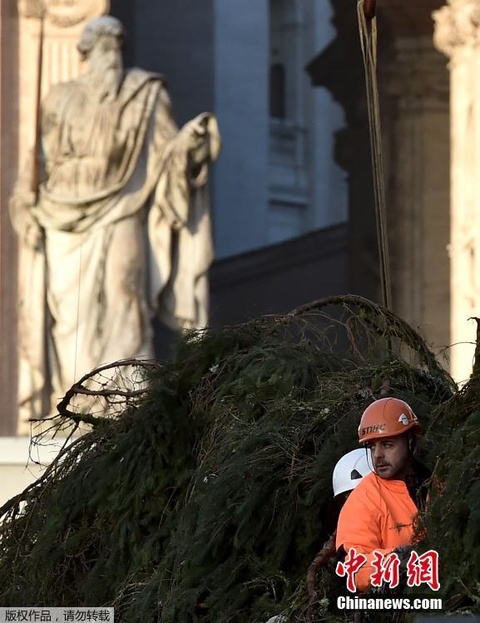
pixel 457 34
pixel 416 119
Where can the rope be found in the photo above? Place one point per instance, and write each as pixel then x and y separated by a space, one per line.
pixel 77 320
pixel 368 42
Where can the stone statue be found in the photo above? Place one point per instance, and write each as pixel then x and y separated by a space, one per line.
pixel 119 228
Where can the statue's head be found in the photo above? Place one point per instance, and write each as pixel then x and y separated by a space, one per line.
pixel 100 45
pixel 95 29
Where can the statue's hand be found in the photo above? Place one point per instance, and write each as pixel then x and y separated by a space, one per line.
pixel 23 219
pixel 25 199
pixel 202 137
pixel 195 135
pixel 34 237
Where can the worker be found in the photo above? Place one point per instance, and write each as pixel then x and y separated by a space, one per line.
pixel 379 514
pixel 348 473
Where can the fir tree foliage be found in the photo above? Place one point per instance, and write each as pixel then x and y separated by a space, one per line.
pixel 206 496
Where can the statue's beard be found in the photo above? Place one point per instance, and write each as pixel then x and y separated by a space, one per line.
pixel 106 80
pixel 113 78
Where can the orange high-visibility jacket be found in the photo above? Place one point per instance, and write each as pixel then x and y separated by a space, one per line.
pixel 378 515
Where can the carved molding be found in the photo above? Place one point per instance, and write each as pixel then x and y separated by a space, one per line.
pixel 457 25
pixel 63 13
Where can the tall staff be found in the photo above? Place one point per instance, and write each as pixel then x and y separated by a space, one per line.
pixel 35 181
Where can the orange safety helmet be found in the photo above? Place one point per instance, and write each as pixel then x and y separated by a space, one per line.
pixel 387 417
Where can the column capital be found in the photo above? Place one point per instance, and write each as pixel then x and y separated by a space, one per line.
pixel 457 25
pixel 63 13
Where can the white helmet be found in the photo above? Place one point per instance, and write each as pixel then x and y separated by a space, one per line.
pixel 350 470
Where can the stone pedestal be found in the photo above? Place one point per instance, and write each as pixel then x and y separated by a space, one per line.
pixel 457 34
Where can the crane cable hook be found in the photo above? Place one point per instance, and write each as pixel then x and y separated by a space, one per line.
pixel 367 23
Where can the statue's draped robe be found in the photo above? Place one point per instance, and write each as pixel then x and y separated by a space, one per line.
pixel 85 297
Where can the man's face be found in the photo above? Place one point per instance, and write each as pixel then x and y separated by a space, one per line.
pixel 105 61
pixel 390 457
